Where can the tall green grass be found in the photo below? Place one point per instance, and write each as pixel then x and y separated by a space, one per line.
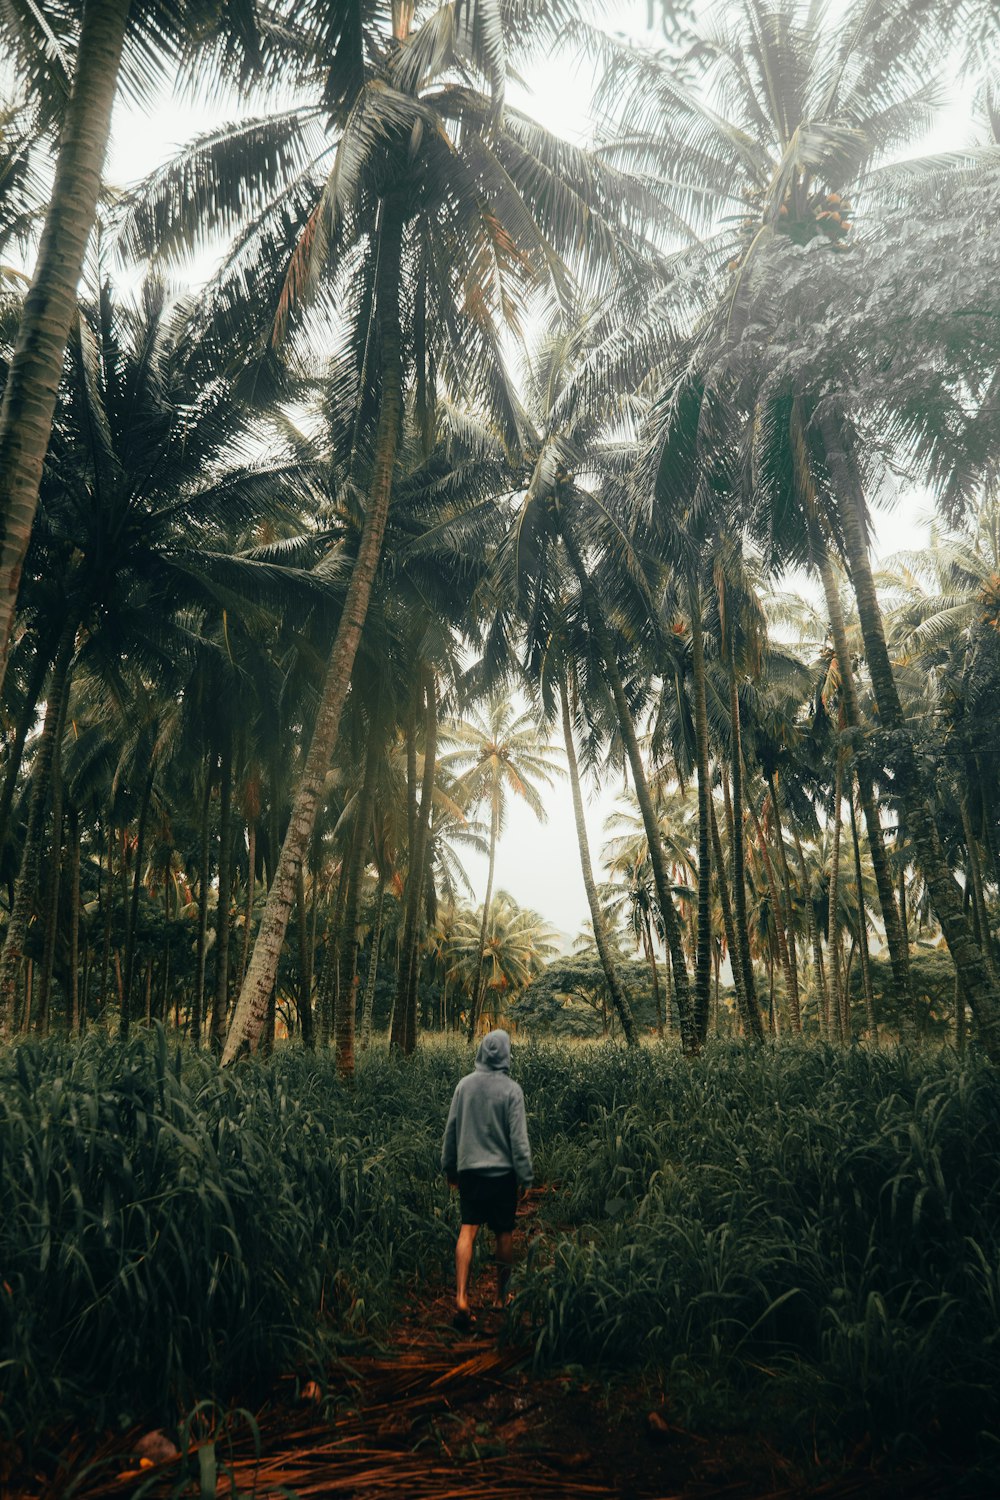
pixel 818 1225
pixel 810 1229
pixel 169 1232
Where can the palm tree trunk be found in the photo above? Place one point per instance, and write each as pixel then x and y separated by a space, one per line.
pixel 52 891
pixel 251 882
pixel 304 993
pixel 131 934
pixel 781 933
pixel 198 1008
pixel 327 988
pixel 738 848
pixel 945 893
pixel 41 778
pixel 789 914
pixel 423 855
pixel 108 908
pixel 220 999
pixel 619 995
pixel 703 957
pixel 975 868
pixel 73 821
pixel 345 1014
pixel 251 1008
pixel 866 970
pixel 368 1004
pixel 478 989
pixel 835 1019
pixel 404 1030
pixel 25 720
pixel 899 959
pixel 29 397
pixel 750 1015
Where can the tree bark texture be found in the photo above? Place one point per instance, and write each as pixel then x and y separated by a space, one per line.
pixel 29 397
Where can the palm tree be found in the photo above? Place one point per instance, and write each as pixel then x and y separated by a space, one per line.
pixel 806 131
pixel 518 942
pixel 107 29
pixel 145 499
pixel 437 193
pixel 500 753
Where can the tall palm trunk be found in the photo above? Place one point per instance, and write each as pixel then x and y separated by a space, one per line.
pixel 423 848
pixel 132 934
pixel 53 886
pixel 345 1013
pixel 220 999
pixel 789 914
pixel 626 725
pixel 27 878
pixel 73 821
pixel 835 1017
pixel 368 1003
pixel 737 845
pixel 479 988
pixel 899 959
pixel 304 996
pixel 29 397
pixel 251 1008
pixel 703 956
pixel 619 995
pixel 750 1014
pixel 975 868
pixel 251 884
pixel 326 990
pixel 782 933
pixel 945 893
pixel 866 969
pixel 25 720
pixel 198 1008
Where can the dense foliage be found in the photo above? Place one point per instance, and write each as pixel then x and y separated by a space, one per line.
pixel 808 1234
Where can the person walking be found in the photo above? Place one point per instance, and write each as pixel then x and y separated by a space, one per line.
pixel 486 1155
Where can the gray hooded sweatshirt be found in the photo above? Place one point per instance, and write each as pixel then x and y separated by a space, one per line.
pixel 486 1129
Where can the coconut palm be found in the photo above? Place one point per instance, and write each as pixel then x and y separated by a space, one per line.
pixel 72 55
pixel 499 753
pixel 147 497
pixel 440 212
pixel 815 113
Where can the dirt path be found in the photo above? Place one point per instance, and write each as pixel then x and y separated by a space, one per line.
pixel 447 1416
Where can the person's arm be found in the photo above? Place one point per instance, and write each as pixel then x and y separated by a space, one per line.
pixel 449 1146
pixel 520 1150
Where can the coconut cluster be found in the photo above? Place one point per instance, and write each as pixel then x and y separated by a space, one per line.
pixel 823 214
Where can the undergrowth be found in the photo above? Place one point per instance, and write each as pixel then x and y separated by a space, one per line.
pixel 810 1233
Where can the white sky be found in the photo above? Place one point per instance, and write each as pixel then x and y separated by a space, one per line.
pixel 537 863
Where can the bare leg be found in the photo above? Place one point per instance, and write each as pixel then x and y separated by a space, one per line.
pixel 463 1264
pixel 504 1256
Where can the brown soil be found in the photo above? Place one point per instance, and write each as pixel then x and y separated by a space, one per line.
pixel 441 1414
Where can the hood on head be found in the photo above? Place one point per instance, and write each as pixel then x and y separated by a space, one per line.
pixel 494 1052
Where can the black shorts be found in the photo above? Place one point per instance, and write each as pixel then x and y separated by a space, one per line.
pixel 488 1198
